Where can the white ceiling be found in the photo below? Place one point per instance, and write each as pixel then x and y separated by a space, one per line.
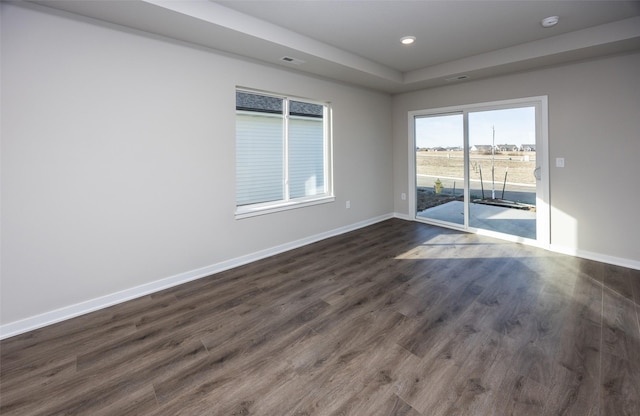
pixel 358 41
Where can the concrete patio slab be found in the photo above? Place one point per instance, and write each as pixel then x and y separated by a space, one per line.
pixel 500 219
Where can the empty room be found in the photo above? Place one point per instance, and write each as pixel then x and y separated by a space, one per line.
pixel 320 208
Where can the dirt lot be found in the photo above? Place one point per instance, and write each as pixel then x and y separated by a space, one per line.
pixel 426 198
pixel 451 164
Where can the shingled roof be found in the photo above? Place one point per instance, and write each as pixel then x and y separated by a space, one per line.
pixel 264 104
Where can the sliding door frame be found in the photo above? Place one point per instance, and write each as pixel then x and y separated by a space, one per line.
pixel 542 161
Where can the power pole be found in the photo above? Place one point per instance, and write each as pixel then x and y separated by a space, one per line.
pixel 493 151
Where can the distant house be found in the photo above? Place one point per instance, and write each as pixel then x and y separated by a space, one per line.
pixel 528 147
pixel 507 148
pixel 481 148
pixel 438 149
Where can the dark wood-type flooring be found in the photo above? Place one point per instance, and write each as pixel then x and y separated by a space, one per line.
pixel 398 318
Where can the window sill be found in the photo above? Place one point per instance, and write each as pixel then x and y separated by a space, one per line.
pixel 253 211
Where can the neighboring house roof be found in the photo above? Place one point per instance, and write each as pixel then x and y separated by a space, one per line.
pixel 265 104
pixel 260 103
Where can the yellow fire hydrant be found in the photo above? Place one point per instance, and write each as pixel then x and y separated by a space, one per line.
pixel 438 186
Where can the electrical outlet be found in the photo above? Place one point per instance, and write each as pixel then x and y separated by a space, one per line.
pixel 559 162
pixel 403 196
pixel 348 204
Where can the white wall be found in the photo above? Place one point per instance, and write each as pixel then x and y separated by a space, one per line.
pixel 118 160
pixel 594 123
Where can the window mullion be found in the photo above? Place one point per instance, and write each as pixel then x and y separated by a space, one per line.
pixel 286 148
pixel 326 147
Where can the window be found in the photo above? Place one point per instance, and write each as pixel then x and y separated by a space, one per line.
pixel 282 153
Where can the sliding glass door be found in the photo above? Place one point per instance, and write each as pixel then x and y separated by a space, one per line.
pixel 482 168
pixel 440 168
pixel 502 163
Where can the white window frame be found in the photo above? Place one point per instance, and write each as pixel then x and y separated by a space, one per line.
pixel 543 207
pixel 252 210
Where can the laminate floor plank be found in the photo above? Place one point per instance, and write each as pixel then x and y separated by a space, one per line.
pixel 619 325
pixel 250 352
pixel 41 375
pixel 397 318
pixel 576 376
pixel 445 314
pixel 470 332
pixel 512 296
pixel 425 385
pixel 359 364
pixel 373 397
pixel 475 386
pixel 16 360
pixel 544 332
pixel 520 395
pixel 635 287
pixel 393 406
pixel 620 385
pixel 80 330
pixel 620 379
pixel 620 280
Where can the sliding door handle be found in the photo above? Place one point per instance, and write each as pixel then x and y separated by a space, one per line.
pixel 536 173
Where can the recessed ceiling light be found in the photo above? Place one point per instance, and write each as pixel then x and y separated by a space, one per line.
pixel 550 21
pixel 408 40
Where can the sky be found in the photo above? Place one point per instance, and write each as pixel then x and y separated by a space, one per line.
pixel 512 126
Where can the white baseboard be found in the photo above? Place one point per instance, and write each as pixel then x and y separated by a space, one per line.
pixel 71 311
pixel 604 258
pixel 401 216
